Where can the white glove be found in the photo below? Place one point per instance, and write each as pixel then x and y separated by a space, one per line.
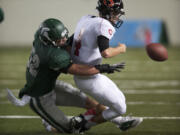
pixel 15 101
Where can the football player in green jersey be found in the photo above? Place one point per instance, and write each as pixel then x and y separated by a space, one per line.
pixel 49 58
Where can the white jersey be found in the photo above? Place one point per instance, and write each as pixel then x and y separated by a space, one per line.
pixel 85 49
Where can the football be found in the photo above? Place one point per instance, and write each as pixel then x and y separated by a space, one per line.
pixel 157 52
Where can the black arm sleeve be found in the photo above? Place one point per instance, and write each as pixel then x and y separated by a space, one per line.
pixel 70 40
pixel 103 43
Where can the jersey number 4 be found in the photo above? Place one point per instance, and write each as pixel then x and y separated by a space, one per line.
pixel 78 46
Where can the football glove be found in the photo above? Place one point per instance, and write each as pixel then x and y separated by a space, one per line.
pixel 107 68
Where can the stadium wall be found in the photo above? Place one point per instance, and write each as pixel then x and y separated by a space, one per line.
pixel 22 17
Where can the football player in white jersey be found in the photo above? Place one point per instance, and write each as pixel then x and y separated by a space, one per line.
pixel 90 44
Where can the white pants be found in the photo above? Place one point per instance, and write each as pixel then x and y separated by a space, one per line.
pixel 105 92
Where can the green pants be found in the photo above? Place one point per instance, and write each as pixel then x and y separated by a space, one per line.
pixel 47 108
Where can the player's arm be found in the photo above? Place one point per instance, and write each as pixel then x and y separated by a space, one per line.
pixel 60 61
pixel 77 69
pixel 106 51
pixel 90 70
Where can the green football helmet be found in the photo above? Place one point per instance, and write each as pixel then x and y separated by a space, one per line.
pixel 52 30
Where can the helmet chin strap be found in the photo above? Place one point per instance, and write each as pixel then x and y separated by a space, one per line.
pixel 118 23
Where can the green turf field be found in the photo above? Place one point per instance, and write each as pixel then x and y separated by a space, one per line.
pixel 152 90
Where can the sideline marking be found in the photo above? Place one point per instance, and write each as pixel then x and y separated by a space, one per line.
pixel 18 117
pixel 37 117
pixel 161 118
pixel 129 103
pixel 124 83
pixel 129 91
pixel 151 91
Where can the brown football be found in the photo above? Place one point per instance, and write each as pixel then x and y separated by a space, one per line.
pixel 157 52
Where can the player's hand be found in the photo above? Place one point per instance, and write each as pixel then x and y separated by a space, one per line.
pixel 107 68
pixel 122 47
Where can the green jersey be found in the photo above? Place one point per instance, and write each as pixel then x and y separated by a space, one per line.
pixel 45 64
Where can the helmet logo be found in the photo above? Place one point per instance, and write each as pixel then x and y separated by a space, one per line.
pixel 44 32
pixel 64 33
pixel 109 3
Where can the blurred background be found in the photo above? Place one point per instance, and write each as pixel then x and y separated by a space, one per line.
pixel 151 88
pixel 154 17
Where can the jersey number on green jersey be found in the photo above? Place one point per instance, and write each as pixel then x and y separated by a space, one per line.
pixel 33 63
